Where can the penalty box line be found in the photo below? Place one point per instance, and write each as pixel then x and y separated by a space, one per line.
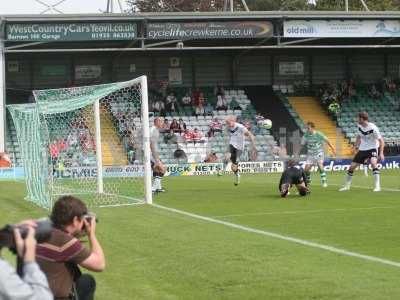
pixel 283 237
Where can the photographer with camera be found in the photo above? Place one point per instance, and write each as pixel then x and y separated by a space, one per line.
pixel 31 283
pixel 62 255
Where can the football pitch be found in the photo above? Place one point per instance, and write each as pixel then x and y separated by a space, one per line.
pixel 206 239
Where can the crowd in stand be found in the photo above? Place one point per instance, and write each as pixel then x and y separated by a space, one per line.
pixel 77 149
pixel 337 92
pixel 347 90
pixel 333 94
pixel 164 101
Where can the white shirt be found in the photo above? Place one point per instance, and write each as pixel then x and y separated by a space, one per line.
pixel 186 100
pixel 370 136
pixel 154 137
pixel 237 136
pixel 171 99
pixel 158 106
pixel 221 101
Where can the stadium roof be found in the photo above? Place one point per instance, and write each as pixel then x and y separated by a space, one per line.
pixel 208 15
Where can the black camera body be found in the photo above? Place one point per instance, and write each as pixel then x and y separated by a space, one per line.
pixel 42 234
pixel 88 217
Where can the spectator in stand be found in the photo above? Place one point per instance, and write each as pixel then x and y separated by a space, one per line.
pixel 197 136
pixel 62 145
pixel 392 87
pixel 171 103
pixel 334 109
pixel 195 96
pixel 219 90
pixel 54 152
pixel 122 125
pixel 222 104
pixel 352 91
pixel 166 126
pixel 125 139
pixel 130 124
pixel 215 126
pixel 174 126
pixel 234 105
pixel 325 97
pixel 5 161
pixel 374 93
pixel 211 158
pixel 131 151
pixel 187 100
pixel 130 114
pixel 208 110
pixel 170 137
pixel 119 115
pixel 159 107
pixel 200 104
pixel 88 145
pixel 188 136
pixel 182 126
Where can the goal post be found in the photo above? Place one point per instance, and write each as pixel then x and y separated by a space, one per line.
pixel 99 153
pixel 146 141
pixel 89 141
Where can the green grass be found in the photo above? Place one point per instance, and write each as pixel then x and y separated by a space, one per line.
pixel 157 254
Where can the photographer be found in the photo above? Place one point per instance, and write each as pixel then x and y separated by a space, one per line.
pixel 60 257
pixel 33 284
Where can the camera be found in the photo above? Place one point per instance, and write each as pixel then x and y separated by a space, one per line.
pixel 88 217
pixel 42 233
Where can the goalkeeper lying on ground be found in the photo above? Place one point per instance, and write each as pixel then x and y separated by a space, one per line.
pixel 293 175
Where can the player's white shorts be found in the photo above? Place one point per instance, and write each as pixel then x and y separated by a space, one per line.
pixel 314 158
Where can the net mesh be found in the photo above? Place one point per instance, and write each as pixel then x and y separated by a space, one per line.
pixel 59 148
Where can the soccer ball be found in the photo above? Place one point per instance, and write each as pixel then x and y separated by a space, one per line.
pixel 267 124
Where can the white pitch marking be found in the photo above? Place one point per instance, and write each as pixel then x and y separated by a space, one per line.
pixel 122 204
pixel 306 211
pixel 369 188
pixel 284 237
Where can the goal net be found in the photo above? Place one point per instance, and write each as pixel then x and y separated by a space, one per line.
pixel 91 141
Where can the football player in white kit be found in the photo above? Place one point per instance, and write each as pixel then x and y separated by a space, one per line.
pixel 370 145
pixel 156 164
pixel 237 135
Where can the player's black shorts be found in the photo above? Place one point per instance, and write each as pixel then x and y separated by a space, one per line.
pixel 235 154
pixel 364 155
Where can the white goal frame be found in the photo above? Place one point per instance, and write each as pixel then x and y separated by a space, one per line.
pixel 146 140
